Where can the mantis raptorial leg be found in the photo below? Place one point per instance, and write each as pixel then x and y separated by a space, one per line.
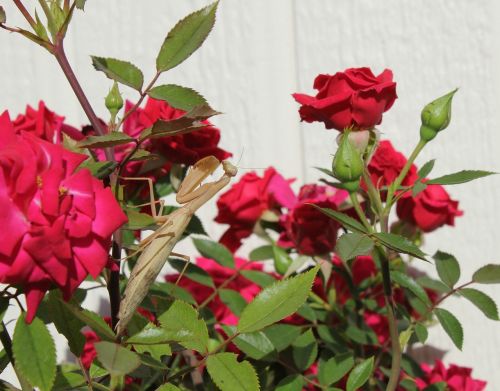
pixel 192 194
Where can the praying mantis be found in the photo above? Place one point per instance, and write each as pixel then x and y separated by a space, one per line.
pixel 159 245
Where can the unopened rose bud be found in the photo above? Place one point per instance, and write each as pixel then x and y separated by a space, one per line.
pixel 114 100
pixel 347 164
pixel 436 116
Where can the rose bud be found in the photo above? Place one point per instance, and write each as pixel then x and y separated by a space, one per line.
pixel 436 116
pixel 347 164
pixel 114 100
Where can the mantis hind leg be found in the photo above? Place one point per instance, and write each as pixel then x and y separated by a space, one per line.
pixel 152 200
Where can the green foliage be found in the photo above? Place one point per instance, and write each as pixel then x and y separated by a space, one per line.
pixel 282 260
pixel 3 17
pixel 231 375
pixel 399 244
pixel 182 325
pixel 451 325
pixel 447 267
pixel 276 302
pixel 35 353
pixel 282 335
pixel 459 177
pixel 332 370
pixel 345 220
pixel 191 271
pixel 261 253
pixel 120 71
pixel 138 220
pixel 351 245
pixel 168 387
pixel 421 332
pixel 255 345
pixel 91 319
pixel 305 350
pixel 108 140
pixel 291 383
pixel 100 169
pixel 489 274
pixel 182 98
pixel 235 302
pixel 116 359
pixel 482 301
pixel 186 37
pixel 360 374
pixel 260 278
pixel 410 284
pixel 216 251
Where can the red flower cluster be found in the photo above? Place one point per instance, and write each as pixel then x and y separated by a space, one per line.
pixel 456 378
pixel 430 209
pixel 57 220
pixel 354 98
pixel 219 275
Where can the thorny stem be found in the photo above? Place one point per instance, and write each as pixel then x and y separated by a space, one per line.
pixel 88 380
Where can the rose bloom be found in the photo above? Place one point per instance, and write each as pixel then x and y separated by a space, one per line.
pixel 43 123
pixel 354 98
pixel 429 210
pixel 306 228
pixel 456 378
pixel 386 165
pixel 219 275
pixel 245 202
pixel 57 220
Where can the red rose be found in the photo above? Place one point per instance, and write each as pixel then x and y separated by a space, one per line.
pixel 386 165
pixel 57 221
pixel 243 204
pixel 44 124
pixel 353 98
pixel 456 378
pixel 429 210
pixel 219 275
pixel 306 228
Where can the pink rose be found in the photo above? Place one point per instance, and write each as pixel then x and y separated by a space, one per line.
pixel 306 228
pixel 219 275
pixel 429 210
pixel 353 98
pixel 456 378
pixel 245 202
pixel 58 221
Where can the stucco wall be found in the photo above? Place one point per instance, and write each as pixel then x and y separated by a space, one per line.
pixel 263 50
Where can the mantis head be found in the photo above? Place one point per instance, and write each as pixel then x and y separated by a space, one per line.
pixel 229 168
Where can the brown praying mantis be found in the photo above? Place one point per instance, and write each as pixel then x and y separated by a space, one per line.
pixel 157 247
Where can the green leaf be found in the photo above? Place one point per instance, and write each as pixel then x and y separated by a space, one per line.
pixel 276 302
pixel 404 337
pixel 489 274
pixel 182 98
pixel 435 285
pixel 182 325
pixel 4 359
pixel 216 251
pixel 418 187
pixel 168 387
pixel 80 4
pixel 66 381
pixel 412 285
pixel 447 267
pixel 282 335
pixel 335 368
pixel 291 383
pixel 66 323
pixel 360 375
pixel 91 319
pixel 351 245
pixel 116 359
pixel 459 177
pixel 142 154
pixel 451 325
pixel 186 37
pixel 426 169
pixel 99 170
pixel 150 334
pixel 343 219
pixel 421 332
pixel 233 300
pixel 282 260
pixel 230 375
pixel 34 353
pixel 108 140
pixel 120 71
pixel 305 350
pixel 439 386
pixel 261 253
pixel 4 305
pixel 254 345
pixel 156 352
pixel 138 220
pixel 173 290
pixel 192 271
pixel 482 301
pixel 262 279
pixel 3 17
pixel 399 244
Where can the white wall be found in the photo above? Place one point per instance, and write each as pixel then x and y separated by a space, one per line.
pixel 261 51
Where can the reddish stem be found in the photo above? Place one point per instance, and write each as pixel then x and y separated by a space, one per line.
pixel 25 13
